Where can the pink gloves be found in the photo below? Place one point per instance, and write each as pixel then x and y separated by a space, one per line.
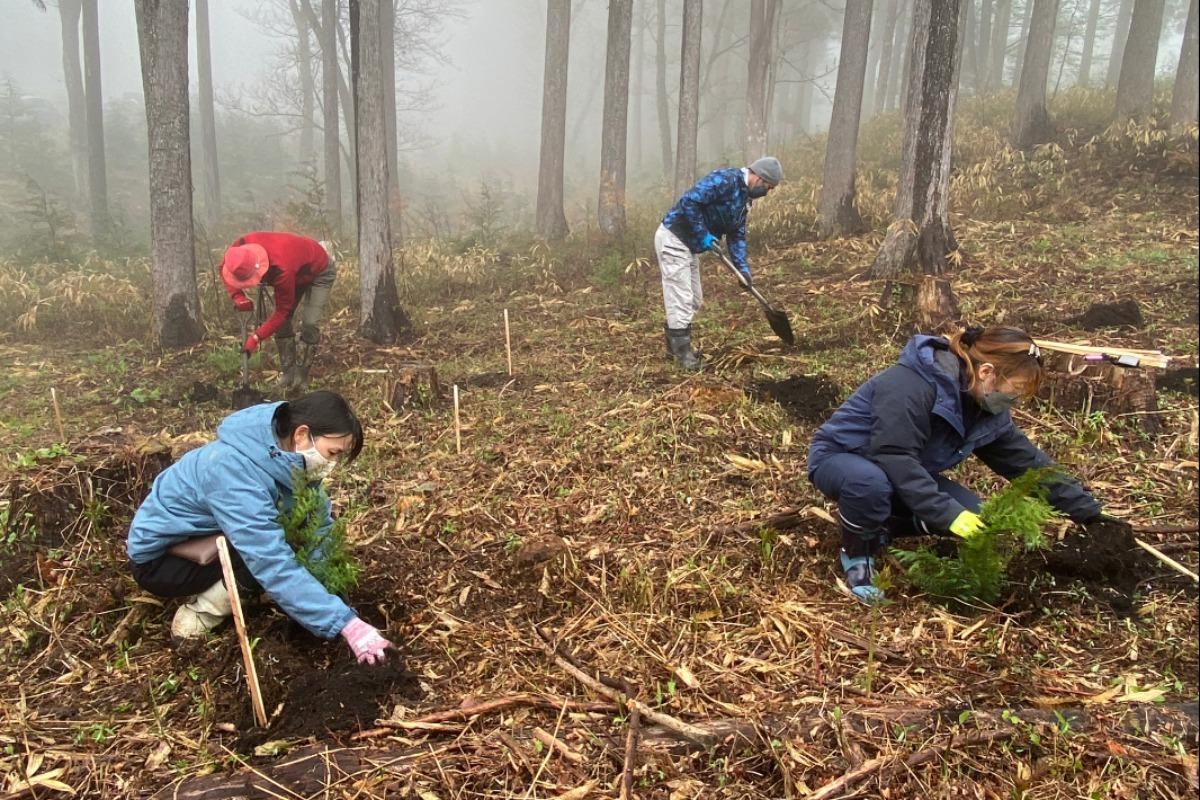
pixel 365 641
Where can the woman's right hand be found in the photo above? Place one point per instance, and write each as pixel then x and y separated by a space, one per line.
pixel 366 642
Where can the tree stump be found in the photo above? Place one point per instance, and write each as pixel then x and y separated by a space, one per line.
pixel 412 384
pixel 937 310
pixel 1075 385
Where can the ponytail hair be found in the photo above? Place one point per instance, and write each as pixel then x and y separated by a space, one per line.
pixel 1011 351
pixel 325 414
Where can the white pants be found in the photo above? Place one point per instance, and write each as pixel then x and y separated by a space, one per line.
pixel 682 295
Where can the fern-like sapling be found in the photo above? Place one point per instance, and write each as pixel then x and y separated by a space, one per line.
pixel 327 556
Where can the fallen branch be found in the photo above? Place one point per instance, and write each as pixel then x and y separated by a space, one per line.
pixel 434 721
pixel 681 729
pixel 557 745
pixel 631 745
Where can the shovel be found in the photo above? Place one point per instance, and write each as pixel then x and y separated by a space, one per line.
pixel 777 319
pixel 246 395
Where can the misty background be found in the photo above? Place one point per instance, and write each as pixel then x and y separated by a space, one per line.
pixel 469 85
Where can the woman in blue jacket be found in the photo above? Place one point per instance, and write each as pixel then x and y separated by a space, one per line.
pixel 882 454
pixel 236 486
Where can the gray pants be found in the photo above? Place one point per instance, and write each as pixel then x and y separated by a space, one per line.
pixel 682 295
pixel 310 304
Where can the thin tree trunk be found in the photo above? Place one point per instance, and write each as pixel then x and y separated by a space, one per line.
pixel 660 75
pixel 983 80
pixel 68 15
pixel 1031 124
pixel 304 69
pixel 999 49
pixel 1135 89
pixel 838 211
pixel 1184 97
pixel 906 63
pixel 551 219
pixel 759 61
pixel 614 130
pixel 97 168
pixel 208 125
pixel 327 34
pixel 638 121
pixel 382 319
pixel 1089 44
pixel 346 95
pixel 970 56
pixel 387 30
pixel 163 44
pixel 689 95
pixel 1022 42
pixel 920 237
pixel 805 95
pixel 899 76
pixel 883 90
pixel 1113 72
pixel 873 48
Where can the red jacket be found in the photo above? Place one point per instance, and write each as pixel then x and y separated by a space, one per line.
pixel 295 262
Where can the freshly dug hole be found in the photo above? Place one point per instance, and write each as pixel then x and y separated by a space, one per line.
pixel 808 398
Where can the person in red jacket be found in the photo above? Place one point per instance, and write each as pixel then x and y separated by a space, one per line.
pixel 301 270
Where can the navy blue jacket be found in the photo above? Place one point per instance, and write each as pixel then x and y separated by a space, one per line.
pixel 718 204
pixel 915 420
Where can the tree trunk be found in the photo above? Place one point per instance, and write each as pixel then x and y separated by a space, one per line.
pixel 838 211
pixel 999 48
pixel 551 219
pixel 68 15
pixel 383 320
pixel 1113 72
pixel 1135 88
pixel 611 206
pixel 208 125
pixel 346 96
pixel 1184 97
pixel 759 61
pixel 1022 41
pixel 970 57
pixel 689 95
pixel 163 43
pixel 873 48
pixel 387 30
pixel 1089 44
pixel 97 169
pixel 883 89
pixel 660 76
pixel 906 53
pixel 983 79
pixel 638 121
pixel 1031 124
pixel 327 34
pixel 920 237
pixel 304 68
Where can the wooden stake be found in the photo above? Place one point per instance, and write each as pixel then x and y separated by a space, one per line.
pixel 235 600
pixel 457 424
pixel 62 431
pixel 507 342
pixel 1166 559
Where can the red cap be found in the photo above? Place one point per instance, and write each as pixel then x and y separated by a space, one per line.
pixel 244 266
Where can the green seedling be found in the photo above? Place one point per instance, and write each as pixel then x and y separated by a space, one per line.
pixel 324 553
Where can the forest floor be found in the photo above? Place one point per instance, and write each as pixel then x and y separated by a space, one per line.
pixel 611 501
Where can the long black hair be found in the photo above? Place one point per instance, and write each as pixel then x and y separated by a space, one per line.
pixel 325 414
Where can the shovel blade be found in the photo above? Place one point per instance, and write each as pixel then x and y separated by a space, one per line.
pixel 246 396
pixel 782 326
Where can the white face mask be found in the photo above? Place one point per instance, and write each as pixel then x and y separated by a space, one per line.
pixel 316 466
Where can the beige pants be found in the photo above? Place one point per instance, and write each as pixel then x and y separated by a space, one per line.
pixel 310 305
pixel 680 267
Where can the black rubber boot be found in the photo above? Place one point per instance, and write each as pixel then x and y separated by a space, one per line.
pixel 679 342
pixel 287 361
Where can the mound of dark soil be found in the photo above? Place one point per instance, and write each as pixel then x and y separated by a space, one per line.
pixel 1105 558
pixel 808 398
pixel 1122 314
pixel 497 380
pixel 1182 379
pixel 201 392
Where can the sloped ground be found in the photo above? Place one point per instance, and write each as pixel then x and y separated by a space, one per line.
pixel 608 499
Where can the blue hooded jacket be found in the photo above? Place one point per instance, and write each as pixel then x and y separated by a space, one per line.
pixel 237 485
pixel 916 420
pixel 718 204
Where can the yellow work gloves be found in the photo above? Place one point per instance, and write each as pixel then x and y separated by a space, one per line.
pixel 967 525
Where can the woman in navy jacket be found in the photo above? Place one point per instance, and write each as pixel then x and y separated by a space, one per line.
pixel 882 454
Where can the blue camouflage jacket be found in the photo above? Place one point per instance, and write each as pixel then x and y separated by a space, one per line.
pixel 915 420
pixel 237 485
pixel 718 204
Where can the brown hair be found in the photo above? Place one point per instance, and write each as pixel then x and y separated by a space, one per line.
pixel 1010 350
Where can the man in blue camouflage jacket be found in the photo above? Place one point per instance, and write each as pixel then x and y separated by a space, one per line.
pixel 716 206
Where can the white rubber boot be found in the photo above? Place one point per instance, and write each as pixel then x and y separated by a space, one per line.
pixel 202 614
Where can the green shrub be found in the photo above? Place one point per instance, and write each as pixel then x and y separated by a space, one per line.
pixel 328 558
pixel 1014 520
